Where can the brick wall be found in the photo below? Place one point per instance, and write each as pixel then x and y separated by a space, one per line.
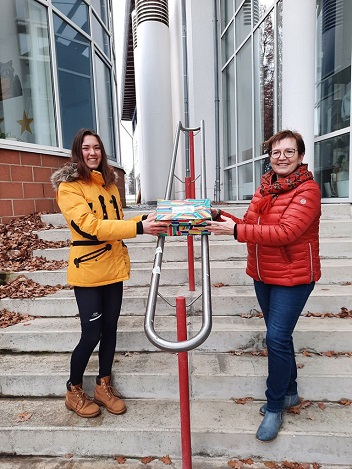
pixel 25 186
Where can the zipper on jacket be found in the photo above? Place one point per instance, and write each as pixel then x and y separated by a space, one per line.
pixel 256 255
pixel 311 262
pixel 91 255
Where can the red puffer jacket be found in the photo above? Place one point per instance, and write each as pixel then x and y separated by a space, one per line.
pixel 283 245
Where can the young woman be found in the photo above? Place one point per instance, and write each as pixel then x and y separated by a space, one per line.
pixel 281 229
pixel 98 264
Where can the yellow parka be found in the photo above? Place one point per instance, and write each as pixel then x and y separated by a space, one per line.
pixel 94 215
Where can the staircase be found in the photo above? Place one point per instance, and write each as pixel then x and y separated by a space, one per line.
pixel 227 367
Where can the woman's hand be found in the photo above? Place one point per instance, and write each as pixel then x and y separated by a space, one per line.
pixel 225 227
pixel 151 227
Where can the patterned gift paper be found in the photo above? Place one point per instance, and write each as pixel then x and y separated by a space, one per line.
pixel 184 217
pixel 183 210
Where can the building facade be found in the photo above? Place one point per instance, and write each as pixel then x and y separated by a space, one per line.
pixel 249 68
pixel 57 75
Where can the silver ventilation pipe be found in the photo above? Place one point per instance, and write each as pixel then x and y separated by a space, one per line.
pixel 185 84
pixel 216 102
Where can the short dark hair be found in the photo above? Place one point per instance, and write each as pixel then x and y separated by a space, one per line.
pixel 281 136
pixel 77 157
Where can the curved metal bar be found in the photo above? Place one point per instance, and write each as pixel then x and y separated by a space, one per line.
pixel 205 330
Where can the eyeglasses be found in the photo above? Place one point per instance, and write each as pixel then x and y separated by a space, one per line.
pixel 288 152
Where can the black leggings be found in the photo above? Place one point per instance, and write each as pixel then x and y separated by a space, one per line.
pixel 99 310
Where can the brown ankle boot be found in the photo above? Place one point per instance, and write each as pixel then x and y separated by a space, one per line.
pixel 78 401
pixel 106 395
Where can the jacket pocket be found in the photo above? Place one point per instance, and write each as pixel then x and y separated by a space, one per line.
pixel 126 257
pixel 91 255
pixel 285 255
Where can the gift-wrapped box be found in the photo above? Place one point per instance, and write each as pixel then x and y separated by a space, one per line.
pixel 184 217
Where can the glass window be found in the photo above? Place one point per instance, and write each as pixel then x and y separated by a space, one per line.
pixel 226 12
pixel 245 181
pixel 244 102
pixel 100 36
pixel 333 81
pixel 75 10
pixel 230 184
pixel 331 166
pixel 264 73
pixel 260 7
pixel 73 52
pixel 229 115
pixel 260 167
pixel 243 22
pixel 238 3
pixel 101 8
pixel 279 68
pixel 105 111
pixel 227 43
pixel 26 92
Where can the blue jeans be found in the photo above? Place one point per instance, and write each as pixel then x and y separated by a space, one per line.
pixel 281 307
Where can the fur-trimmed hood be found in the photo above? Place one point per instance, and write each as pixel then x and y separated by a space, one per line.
pixel 67 173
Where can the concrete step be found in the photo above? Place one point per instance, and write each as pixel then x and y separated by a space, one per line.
pixel 76 462
pixel 218 250
pixel 149 427
pixel 329 228
pixel 334 271
pixel 155 375
pixel 228 334
pixel 233 301
pixel 198 462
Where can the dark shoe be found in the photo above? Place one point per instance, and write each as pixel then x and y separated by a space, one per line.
pixel 270 426
pixel 290 401
pixel 106 395
pixel 78 401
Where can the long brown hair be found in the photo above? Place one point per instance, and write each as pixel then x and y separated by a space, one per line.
pixel 77 157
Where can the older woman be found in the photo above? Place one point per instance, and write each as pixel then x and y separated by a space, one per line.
pixel 281 230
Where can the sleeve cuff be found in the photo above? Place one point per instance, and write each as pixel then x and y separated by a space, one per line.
pixel 139 227
pixel 235 231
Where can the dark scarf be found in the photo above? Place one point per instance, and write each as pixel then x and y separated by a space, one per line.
pixel 270 187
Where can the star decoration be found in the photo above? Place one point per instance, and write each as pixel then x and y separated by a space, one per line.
pixel 25 123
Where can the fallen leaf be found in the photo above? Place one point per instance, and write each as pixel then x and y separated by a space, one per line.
pixel 300 365
pixel 306 353
pixel 345 402
pixel 219 285
pixel 147 459
pixel 235 464
pixel 248 461
pixel 321 405
pixel 68 456
pixel 166 460
pixel 289 465
pixel 23 417
pixel 120 459
pixel 243 400
pixel 316 465
pixel 271 465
